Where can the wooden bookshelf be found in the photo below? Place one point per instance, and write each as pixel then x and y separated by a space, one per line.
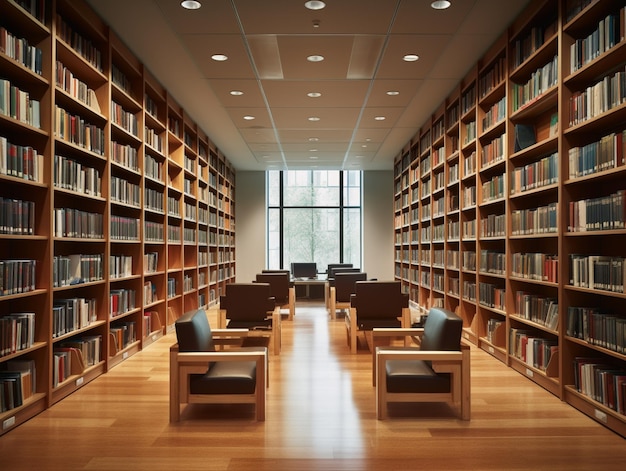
pixel 535 174
pixel 134 200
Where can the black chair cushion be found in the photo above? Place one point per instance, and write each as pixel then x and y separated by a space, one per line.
pixel 193 332
pixel 225 377
pixel 442 330
pixel 410 376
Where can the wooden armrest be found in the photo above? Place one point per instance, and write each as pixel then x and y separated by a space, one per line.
pixel 403 353
pixel 227 355
pixel 398 331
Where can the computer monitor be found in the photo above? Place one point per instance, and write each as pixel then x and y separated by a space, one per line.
pixel 304 269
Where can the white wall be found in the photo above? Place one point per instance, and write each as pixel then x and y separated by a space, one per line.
pixel 250 231
pixel 250 222
pixel 378 249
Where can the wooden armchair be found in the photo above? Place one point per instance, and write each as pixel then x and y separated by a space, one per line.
pixel 200 374
pixel 376 304
pixel 332 270
pixel 281 289
pixel 251 306
pixel 438 370
pixel 341 290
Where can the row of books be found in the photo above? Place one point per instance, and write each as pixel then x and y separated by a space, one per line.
pixel 608 152
pixel 492 262
pixel 16 387
pixel 120 79
pixel 494 189
pixel 598 214
pixel 603 382
pixel 72 314
pixel 74 87
pixel 596 327
pixel 76 269
pixel 598 272
pixel 540 82
pixel 120 266
pixel 126 156
pixel 36 8
pixel 153 200
pixel 125 192
pixel 17 217
pixel 607 34
pixel 74 223
pixel 83 46
pixel 17 276
pixel 538 174
pixel 153 231
pixel 526 45
pixel 17 332
pixel 539 220
pixel 539 309
pixel 20 161
pixel 73 175
pixel 527 347
pixel 78 131
pixel 123 334
pixel 124 228
pixel 151 261
pixel 125 119
pixel 18 104
pixel 494 327
pixel 154 139
pixel 21 51
pixel 72 357
pixel 535 266
pixel 171 287
pixel 608 93
pixel 493 151
pixel 153 168
pixel 121 301
pixel 491 295
pixel 486 82
pixel 150 293
pixel 495 114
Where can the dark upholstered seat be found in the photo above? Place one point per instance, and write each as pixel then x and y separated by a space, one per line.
pixel 201 374
pixel 342 289
pixel 437 371
pixel 376 304
pixel 251 306
pixel 281 289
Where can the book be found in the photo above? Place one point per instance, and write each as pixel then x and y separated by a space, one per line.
pixel 524 136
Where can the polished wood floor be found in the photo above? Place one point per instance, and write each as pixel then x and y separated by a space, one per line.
pixel 320 416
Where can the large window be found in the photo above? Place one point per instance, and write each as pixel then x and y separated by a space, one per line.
pixel 314 216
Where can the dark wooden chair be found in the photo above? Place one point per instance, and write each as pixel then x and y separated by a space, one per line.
pixel 341 290
pixel 281 289
pixel 201 374
pixel 251 306
pixel 376 304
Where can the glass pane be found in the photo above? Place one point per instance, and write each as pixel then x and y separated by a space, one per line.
pixel 273 239
pixel 273 188
pixel 305 188
pixel 352 189
pixel 352 236
pixel 311 235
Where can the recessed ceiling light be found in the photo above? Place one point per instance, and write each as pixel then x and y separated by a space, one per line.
pixel 236 92
pixel 364 146
pixel 313 157
pixel 314 94
pixel 314 5
pixel 314 139
pixel 248 118
pixel 380 118
pixel 219 57
pixel 440 4
pixel 315 58
pixel 190 4
pixel 411 57
pixel 312 150
pixel 393 92
pixel 313 118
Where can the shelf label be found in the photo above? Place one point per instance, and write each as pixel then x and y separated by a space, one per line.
pixel 530 373
pixel 154 337
pixel 125 355
pixel 466 335
pixel 80 381
pixel 8 423
pixel 491 350
pixel 601 416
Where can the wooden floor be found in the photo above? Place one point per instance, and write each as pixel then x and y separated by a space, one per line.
pixel 320 416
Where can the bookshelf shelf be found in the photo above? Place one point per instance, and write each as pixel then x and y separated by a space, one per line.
pixel 509 245
pixel 133 144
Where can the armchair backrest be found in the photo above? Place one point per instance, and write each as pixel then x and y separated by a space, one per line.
pixel 378 303
pixel 442 330
pixel 193 332
pixel 279 285
pixel 247 302
pixel 332 266
pixel 345 285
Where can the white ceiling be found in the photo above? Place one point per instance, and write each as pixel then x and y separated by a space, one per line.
pixel 267 43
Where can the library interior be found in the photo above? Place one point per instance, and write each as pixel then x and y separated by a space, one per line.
pixel 154 314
